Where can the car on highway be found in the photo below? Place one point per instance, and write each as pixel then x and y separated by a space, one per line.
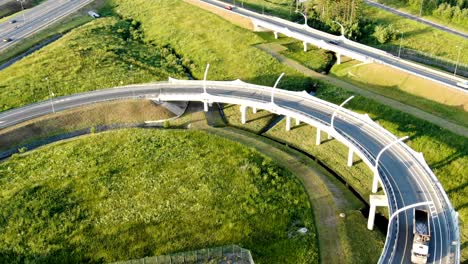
pixel 228 7
pixel 7 39
pixel 333 42
pixel 463 84
pixel 13 21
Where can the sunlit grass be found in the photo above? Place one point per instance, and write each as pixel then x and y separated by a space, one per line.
pixel 135 193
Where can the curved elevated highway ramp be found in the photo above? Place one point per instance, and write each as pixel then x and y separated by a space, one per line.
pixel 404 175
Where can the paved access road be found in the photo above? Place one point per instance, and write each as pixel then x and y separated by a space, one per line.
pixel 312 36
pixel 406 180
pixel 37 18
pixel 416 18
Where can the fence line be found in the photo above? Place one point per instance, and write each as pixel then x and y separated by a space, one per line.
pixel 428 59
pixel 231 254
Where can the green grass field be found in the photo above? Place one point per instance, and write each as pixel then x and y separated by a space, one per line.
pixel 406 8
pixel 104 53
pixel 419 36
pixel 135 193
pixel 228 48
pixel 315 59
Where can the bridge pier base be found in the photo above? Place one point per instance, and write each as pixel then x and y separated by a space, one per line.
pixel 254 110
pixel 288 123
pixel 338 58
pixel 305 46
pixel 205 106
pixel 243 110
pixel 375 200
pixel 375 182
pixel 318 139
pixel 276 34
pixel 350 157
pixel 298 122
pixel 329 136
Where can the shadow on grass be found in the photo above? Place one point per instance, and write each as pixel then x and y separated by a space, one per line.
pixel 288 82
pixel 260 117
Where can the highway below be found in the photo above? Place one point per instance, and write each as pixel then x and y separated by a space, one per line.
pixel 37 18
pixel 404 174
pixel 344 46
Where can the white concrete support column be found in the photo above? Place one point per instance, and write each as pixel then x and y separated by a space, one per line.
pixel 288 123
pixel 370 220
pixel 317 138
pixel 205 106
pixel 375 182
pixel 276 34
pixel 254 110
pixel 243 110
pixel 329 136
pixel 298 122
pixel 305 46
pixel 210 104
pixel 375 200
pixel 350 157
pixel 338 58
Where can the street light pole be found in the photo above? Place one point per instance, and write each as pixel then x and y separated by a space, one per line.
pixel 337 109
pixel 51 94
pixel 305 17
pixel 401 40
pixel 274 88
pixel 204 77
pixel 458 60
pixel 385 148
pixel 342 28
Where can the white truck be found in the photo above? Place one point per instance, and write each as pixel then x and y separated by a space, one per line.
pixel 422 236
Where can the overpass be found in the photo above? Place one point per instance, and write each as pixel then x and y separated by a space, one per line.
pixel 343 46
pixel 404 175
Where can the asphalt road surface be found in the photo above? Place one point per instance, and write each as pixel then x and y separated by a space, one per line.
pixel 406 180
pixel 37 18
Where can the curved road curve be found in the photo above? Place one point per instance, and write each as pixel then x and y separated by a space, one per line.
pixel 404 175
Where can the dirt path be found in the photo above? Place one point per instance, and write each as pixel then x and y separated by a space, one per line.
pixel 327 200
pixel 274 49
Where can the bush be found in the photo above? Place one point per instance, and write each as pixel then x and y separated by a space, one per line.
pixel 384 34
